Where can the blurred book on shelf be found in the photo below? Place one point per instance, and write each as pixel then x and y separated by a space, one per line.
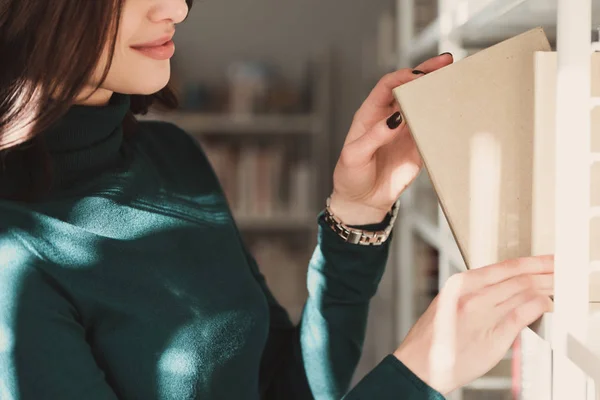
pixel 260 179
pixel 247 88
pixel 300 187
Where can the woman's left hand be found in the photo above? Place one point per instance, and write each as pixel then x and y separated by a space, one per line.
pixel 379 158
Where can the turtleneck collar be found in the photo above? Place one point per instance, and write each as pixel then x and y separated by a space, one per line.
pixel 87 139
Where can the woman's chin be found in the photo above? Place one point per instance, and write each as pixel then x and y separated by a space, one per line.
pixel 142 84
pixel 149 88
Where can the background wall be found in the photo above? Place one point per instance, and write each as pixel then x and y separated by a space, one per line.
pixel 285 33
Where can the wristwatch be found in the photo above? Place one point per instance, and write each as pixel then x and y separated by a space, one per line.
pixel 360 236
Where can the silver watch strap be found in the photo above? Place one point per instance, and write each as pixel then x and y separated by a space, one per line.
pixel 359 236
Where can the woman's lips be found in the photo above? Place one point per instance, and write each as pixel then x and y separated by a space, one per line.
pixel 161 49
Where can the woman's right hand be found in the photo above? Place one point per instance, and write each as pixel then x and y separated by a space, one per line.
pixel 474 320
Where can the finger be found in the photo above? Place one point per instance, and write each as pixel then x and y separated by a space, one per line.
pixel 499 293
pixel 541 285
pixel 435 63
pixel 528 308
pixel 360 151
pixel 478 278
pixel 381 98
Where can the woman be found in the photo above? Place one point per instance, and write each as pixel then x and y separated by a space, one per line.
pixel 123 274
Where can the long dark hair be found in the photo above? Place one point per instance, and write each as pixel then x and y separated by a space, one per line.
pixel 49 52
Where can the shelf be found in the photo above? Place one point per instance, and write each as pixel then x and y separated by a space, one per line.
pixel 587 356
pixel 480 23
pixel 198 123
pixel 283 222
pixel 543 327
pixel 488 21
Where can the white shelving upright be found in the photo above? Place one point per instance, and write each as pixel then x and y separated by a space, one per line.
pixel 572 194
pixel 566 360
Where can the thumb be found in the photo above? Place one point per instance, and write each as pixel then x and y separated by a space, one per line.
pixel 360 151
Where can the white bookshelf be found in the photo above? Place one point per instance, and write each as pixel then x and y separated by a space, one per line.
pixel 560 356
pixel 310 129
pixel 478 23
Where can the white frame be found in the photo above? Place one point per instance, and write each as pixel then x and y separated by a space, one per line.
pixel 571 323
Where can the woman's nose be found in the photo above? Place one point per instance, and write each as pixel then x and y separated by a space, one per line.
pixel 174 11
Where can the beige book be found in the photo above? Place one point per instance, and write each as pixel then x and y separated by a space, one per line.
pixel 473 122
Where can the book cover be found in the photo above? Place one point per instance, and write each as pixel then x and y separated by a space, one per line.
pixel 473 122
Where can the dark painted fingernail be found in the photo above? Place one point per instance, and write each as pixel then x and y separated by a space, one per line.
pixel 394 121
pixel 447 53
pixel 417 72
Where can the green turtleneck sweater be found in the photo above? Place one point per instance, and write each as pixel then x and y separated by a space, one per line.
pixel 130 281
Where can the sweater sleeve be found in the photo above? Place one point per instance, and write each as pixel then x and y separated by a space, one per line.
pixel 392 380
pixel 43 352
pixel 318 358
